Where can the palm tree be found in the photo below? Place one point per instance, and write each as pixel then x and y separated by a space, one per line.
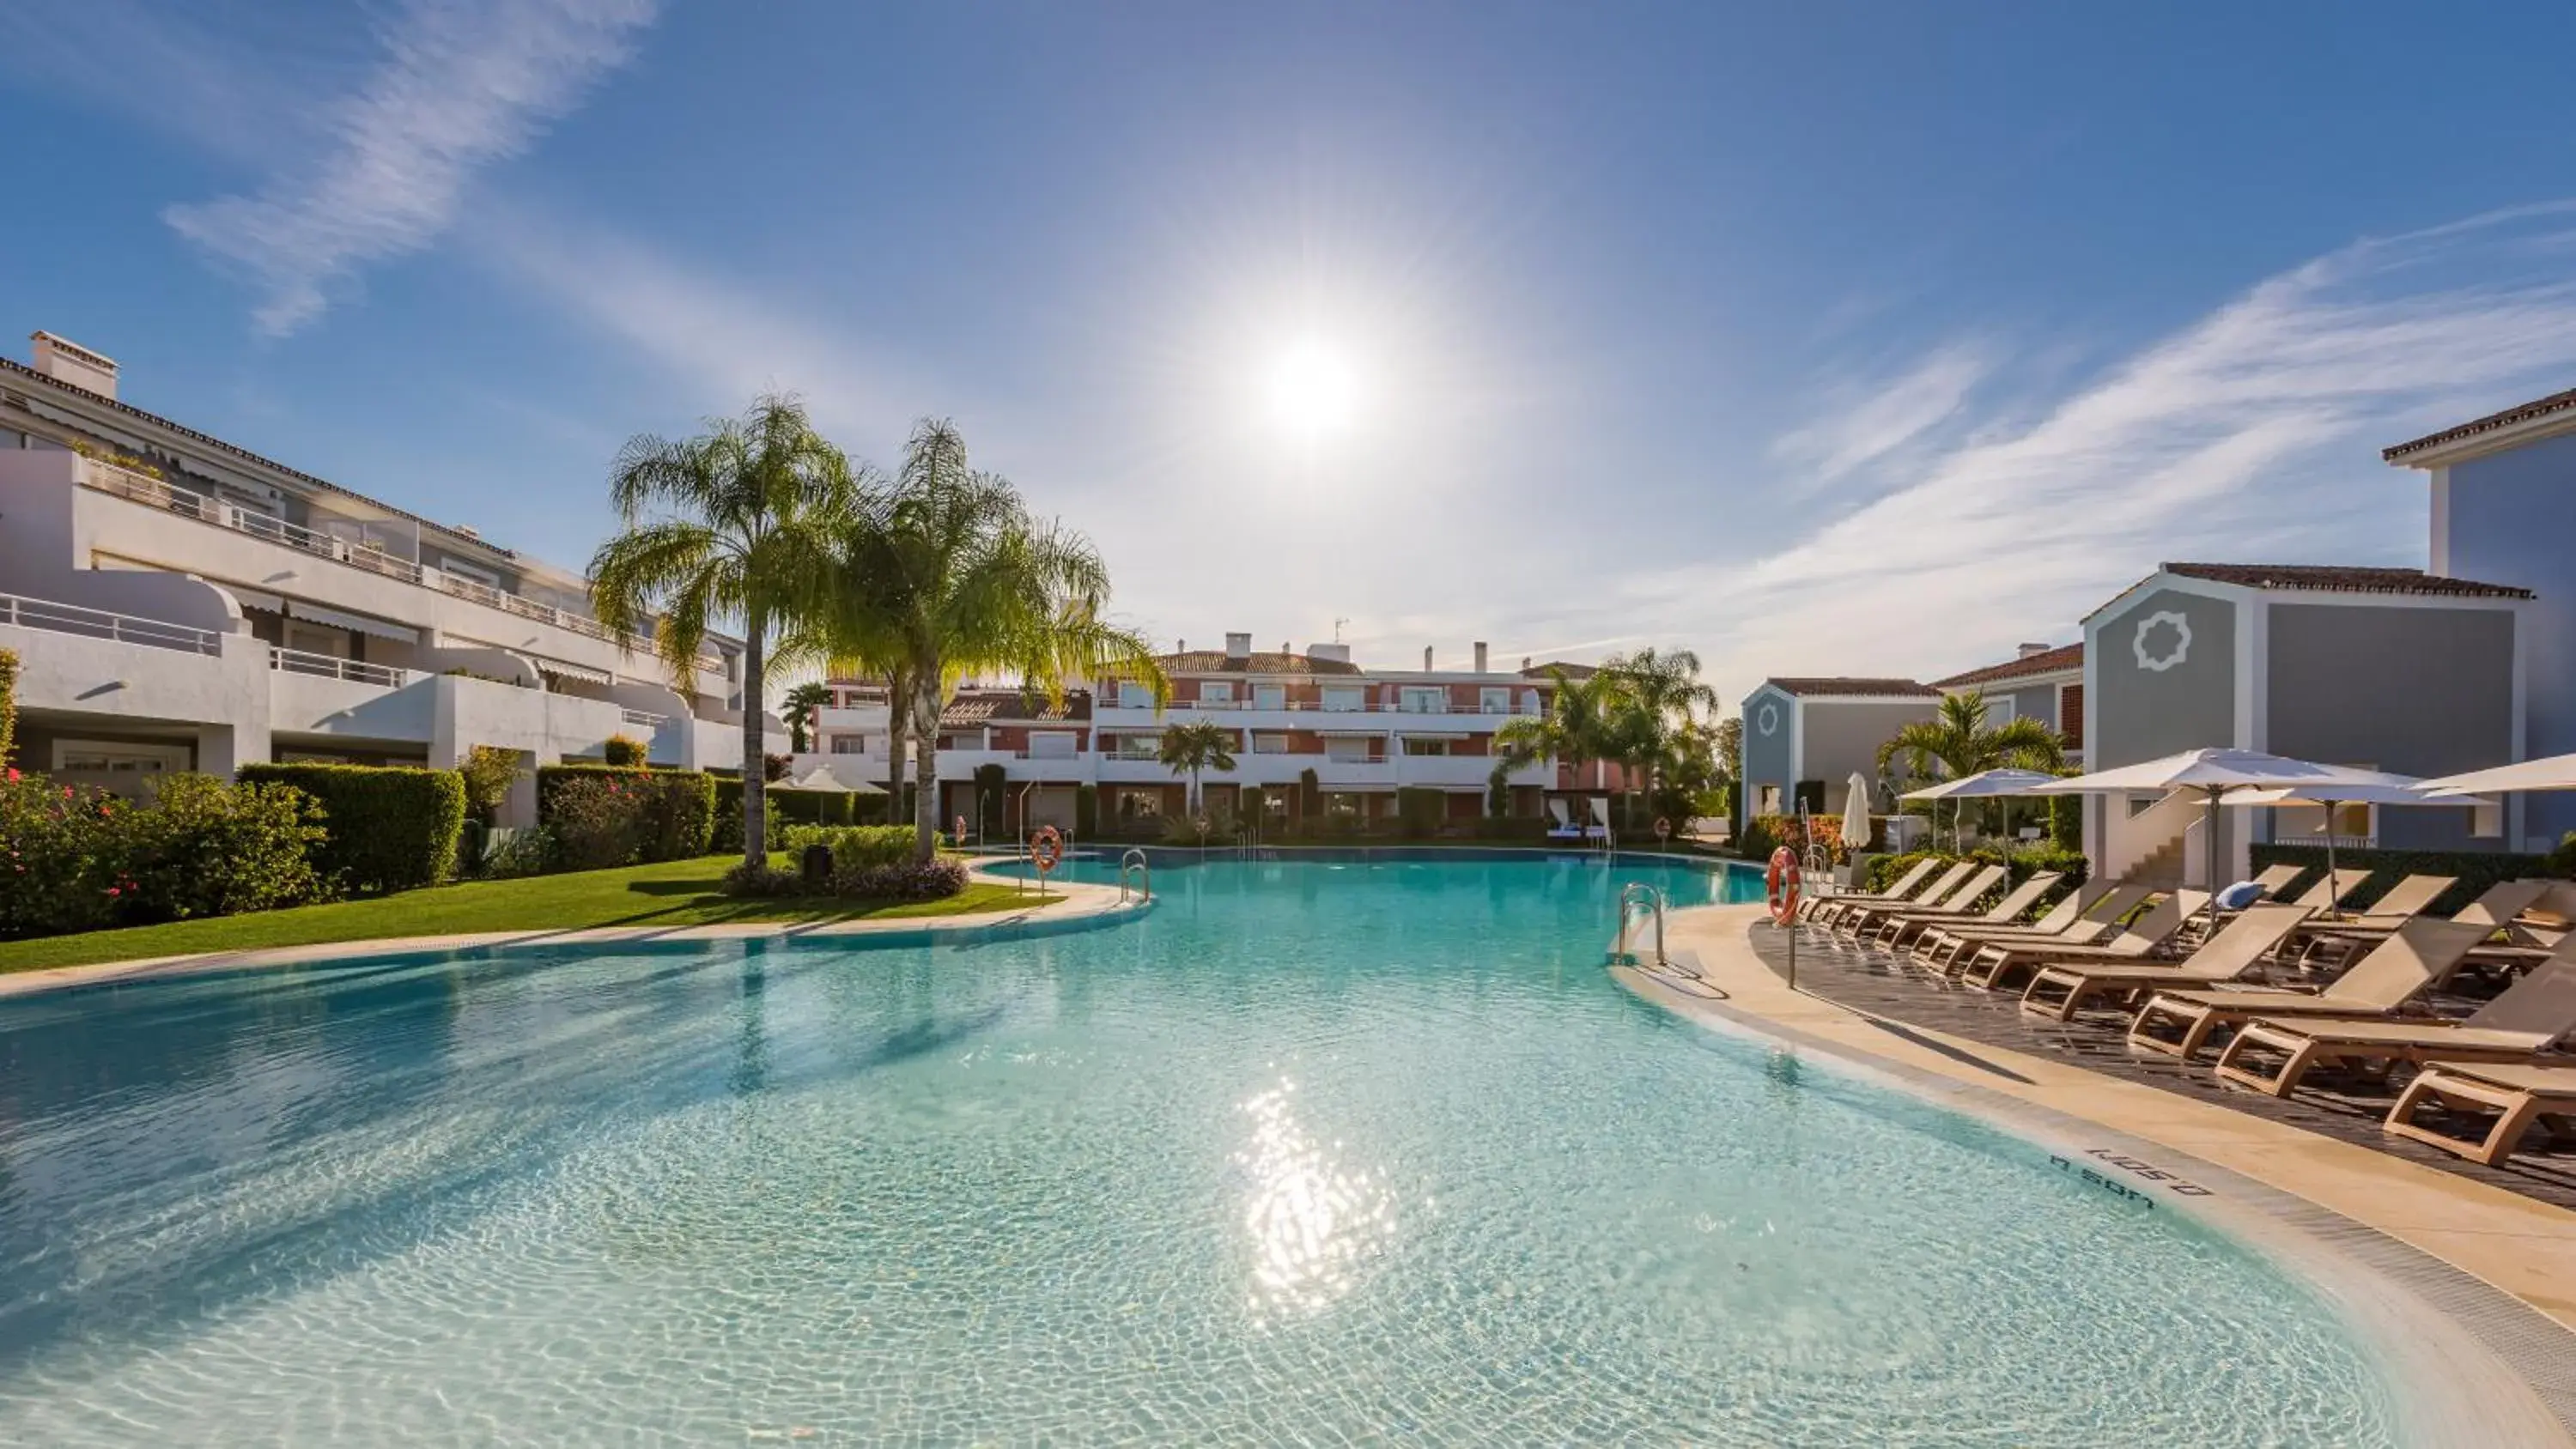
pixel 1195 746
pixel 805 703
pixel 1581 725
pixel 1662 696
pixel 1957 742
pixel 943 571
pixel 734 526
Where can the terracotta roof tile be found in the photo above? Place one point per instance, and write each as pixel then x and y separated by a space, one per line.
pixel 1571 671
pixel 2556 402
pixel 1217 661
pixel 2336 579
pixel 1847 687
pixel 1003 706
pixel 2047 661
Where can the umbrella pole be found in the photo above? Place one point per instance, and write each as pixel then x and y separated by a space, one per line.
pixel 2215 794
pixel 2332 895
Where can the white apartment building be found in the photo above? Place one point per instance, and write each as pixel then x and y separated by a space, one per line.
pixel 1365 733
pixel 180 603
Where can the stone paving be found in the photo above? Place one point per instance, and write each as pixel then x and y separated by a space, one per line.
pixel 1876 982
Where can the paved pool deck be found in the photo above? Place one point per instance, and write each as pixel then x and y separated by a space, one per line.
pixel 2500 1265
pixel 1081 907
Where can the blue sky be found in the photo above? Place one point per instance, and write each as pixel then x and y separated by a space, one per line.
pixel 1821 339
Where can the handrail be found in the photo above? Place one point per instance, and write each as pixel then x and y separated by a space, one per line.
pixel 1135 860
pixel 643 719
pixel 1632 895
pixel 331 666
pixel 56 618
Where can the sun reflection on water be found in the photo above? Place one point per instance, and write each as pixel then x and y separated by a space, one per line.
pixel 1312 1223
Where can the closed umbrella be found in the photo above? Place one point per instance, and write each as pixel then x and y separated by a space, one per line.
pixel 1856 813
pixel 2215 773
pixel 2392 790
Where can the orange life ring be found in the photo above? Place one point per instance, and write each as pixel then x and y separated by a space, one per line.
pixel 1783 883
pixel 1663 828
pixel 1046 848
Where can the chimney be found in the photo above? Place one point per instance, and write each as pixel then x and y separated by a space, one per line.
pixel 1180 646
pixel 1238 646
pixel 1426 659
pixel 2028 650
pixel 64 360
pixel 1480 656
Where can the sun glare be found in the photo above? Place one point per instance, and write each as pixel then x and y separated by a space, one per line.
pixel 1314 390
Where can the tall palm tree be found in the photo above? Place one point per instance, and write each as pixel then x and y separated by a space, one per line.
pixel 1581 725
pixel 804 706
pixel 1196 746
pixel 1663 696
pixel 735 526
pixel 1957 742
pixel 944 572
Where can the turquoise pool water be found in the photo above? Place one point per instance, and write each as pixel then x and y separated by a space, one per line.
pixel 1315 1153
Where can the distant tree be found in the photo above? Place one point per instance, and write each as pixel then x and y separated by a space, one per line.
pixel 1196 746
pixel 805 705
pixel 1957 742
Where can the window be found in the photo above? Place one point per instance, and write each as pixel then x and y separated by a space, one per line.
pixel 1269 696
pixel 1216 691
pixel 1414 746
pixel 849 744
pixel 1497 701
pixel 1269 744
pixel 1132 695
pixel 1770 800
pixel 118 759
pixel 2486 820
pixel 1140 804
pixel 2001 709
pixel 473 572
pixel 1051 745
pixel 1348 749
pixel 2070 714
pixel 1135 747
pixel 1345 699
pixel 1414 700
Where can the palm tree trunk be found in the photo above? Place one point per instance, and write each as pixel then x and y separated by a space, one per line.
pixel 755 762
pixel 925 749
pixel 898 706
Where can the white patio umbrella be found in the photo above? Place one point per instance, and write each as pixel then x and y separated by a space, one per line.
pixel 2215 773
pixel 2556 772
pixel 824 777
pixel 2392 790
pixel 1856 812
pixel 1985 784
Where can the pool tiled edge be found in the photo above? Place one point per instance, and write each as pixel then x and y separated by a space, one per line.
pixel 2500 1363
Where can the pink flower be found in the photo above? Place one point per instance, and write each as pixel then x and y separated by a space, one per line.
pixel 114 892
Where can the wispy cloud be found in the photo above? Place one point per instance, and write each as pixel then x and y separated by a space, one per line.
pixel 2251 434
pixel 459 85
pixel 1866 422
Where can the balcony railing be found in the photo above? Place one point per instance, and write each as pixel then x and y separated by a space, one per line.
pixel 1308 706
pixel 643 720
pixel 98 624
pixel 145 489
pixel 328 666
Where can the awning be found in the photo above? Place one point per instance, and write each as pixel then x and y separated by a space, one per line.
pixel 254 599
pixel 1368 734
pixel 582 672
pixel 355 623
pixel 1411 734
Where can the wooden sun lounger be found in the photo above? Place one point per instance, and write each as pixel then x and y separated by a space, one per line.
pixel 2330 891
pixel 2415 958
pixel 1899 928
pixel 1944 888
pixel 1999 965
pixel 2519 1097
pixel 1820 910
pixel 2061 989
pixel 2496 909
pixel 2080 916
pixel 1956 905
pixel 2519 1026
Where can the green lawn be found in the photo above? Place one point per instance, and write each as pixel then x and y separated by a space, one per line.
pixel 674 893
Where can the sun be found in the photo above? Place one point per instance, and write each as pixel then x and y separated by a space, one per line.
pixel 1314 389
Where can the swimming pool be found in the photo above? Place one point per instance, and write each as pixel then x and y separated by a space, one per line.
pixel 1315 1151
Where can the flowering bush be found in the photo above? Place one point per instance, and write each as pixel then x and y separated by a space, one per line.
pixel 674 809
pixel 623 753
pixel 74 859
pixel 596 823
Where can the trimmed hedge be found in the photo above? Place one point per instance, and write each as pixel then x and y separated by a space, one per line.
pixel 855 847
pixel 678 813
pixel 390 828
pixel 8 705
pixel 1420 811
pixel 784 807
pixel 2476 869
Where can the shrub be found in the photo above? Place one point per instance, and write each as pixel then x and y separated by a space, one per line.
pixel 1778 830
pixel 758 882
pixel 8 705
pixel 389 829
pixel 597 822
pixel 622 753
pixel 1531 829
pixel 527 852
pixel 2018 866
pixel 1421 812
pixel 1758 842
pixel 2066 821
pixel 488 771
pixel 931 880
pixel 78 860
pixel 675 810
pixel 726 839
pixel 773 768
pixel 1086 811
pixel 2476 869
pixel 855 847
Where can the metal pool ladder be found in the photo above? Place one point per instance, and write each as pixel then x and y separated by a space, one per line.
pixel 1134 865
pixel 1631 896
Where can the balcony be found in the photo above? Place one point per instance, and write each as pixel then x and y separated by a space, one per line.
pixel 356 554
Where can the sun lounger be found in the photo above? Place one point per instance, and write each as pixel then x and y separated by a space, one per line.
pixel 1900 927
pixel 2061 989
pixel 1957 904
pixel 2519 1097
pixel 1564 828
pixel 2415 958
pixel 1997 965
pixel 2079 916
pixel 2517 1027
pixel 2275 879
pixel 2496 909
pixel 1897 889
pixel 1838 911
pixel 2331 890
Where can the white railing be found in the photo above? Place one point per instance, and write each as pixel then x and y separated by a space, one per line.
pixel 1308 706
pixel 329 666
pixel 643 720
pixel 99 624
pixel 145 489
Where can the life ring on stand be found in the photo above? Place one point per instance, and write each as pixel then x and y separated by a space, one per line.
pixel 1783 882
pixel 1046 848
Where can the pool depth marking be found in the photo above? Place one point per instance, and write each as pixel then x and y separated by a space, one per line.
pixel 2179 1186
